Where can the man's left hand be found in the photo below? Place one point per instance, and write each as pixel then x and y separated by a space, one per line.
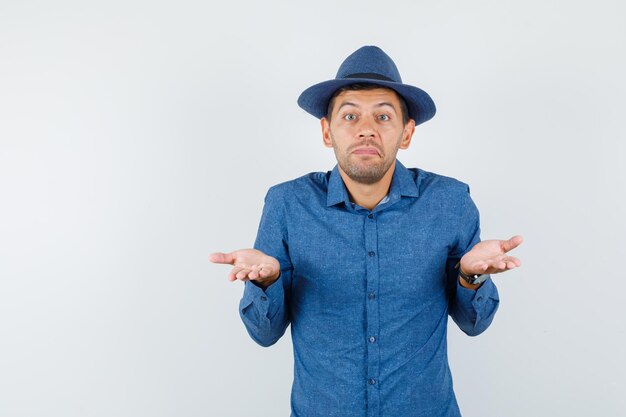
pixel 490 257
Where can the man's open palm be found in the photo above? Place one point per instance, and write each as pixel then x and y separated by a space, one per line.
pixel 490 256
pixel 249 264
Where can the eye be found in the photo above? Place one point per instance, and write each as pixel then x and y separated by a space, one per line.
pixel 349 116
pixel 383 117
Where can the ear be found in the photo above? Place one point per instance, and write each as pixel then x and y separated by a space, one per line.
pixel 326 132
pixel 407 134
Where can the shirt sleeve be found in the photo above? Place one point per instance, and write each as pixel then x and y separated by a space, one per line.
pixel 265 313
pixel 472 310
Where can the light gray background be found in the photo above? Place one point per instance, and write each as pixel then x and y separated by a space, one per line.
pixel 137 137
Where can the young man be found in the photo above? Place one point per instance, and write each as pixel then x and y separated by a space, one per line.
pixel 367 261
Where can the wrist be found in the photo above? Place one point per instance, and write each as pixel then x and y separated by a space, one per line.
pixel 466 284
pixel 265 283
pixel 471 281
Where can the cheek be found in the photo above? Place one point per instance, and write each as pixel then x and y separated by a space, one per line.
pixel 342 129
pixel 341 134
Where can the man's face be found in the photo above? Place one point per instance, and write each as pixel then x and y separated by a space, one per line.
pixel 366 131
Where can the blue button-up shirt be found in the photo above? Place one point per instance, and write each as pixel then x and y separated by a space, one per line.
pixel 368 293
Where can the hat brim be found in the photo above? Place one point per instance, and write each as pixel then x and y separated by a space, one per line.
pixel 314 100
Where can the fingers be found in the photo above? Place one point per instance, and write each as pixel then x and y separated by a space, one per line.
pixel 265 271
pixel 246 273
pixel 512 243
pixel 238 273
pixel 255 272
pixel 222 258
pixel 500 264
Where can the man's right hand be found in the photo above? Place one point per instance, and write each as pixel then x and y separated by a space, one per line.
pixel 249 265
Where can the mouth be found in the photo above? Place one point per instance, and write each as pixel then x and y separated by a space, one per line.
pixel 366 151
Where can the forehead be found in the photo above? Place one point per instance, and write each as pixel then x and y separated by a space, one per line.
pixel 368 97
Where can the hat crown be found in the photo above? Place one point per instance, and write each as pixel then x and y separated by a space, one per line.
pixel 369 62
pixel 369 65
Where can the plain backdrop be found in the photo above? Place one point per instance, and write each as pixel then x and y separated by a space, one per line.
pixel 137 137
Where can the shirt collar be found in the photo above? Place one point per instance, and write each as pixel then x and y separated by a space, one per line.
pixel 402 185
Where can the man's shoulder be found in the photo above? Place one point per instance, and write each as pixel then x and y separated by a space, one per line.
pixel 305 185
pixel 433 182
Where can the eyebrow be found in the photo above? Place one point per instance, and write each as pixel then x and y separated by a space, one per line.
pixel 382 104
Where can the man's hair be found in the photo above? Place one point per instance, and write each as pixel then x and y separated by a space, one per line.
pixel 363 86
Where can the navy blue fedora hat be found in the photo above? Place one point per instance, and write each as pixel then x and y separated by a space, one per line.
pixel 370 65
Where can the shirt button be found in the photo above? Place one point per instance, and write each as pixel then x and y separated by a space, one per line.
pixel 371 253
pixel 371 381
pixel 479 298
pixel 263 298
pixel 372 339
pixel 370 216
pixel 371 296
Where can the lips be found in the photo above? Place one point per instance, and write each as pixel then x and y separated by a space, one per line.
pixel 366 151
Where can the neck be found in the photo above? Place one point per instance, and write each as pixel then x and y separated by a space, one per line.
pixel 368 195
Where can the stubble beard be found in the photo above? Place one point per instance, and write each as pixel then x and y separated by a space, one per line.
pixel 365 173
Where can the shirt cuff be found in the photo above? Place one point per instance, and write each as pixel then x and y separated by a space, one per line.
pixel 476 298
pixel 267 302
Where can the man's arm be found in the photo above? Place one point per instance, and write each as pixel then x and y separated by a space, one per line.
pixel 472 310
pixel 266 271
pixel 472 307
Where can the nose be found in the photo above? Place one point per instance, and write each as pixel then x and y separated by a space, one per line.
pixel 366 128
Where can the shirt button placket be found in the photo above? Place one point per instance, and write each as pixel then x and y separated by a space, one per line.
pixel 371 310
